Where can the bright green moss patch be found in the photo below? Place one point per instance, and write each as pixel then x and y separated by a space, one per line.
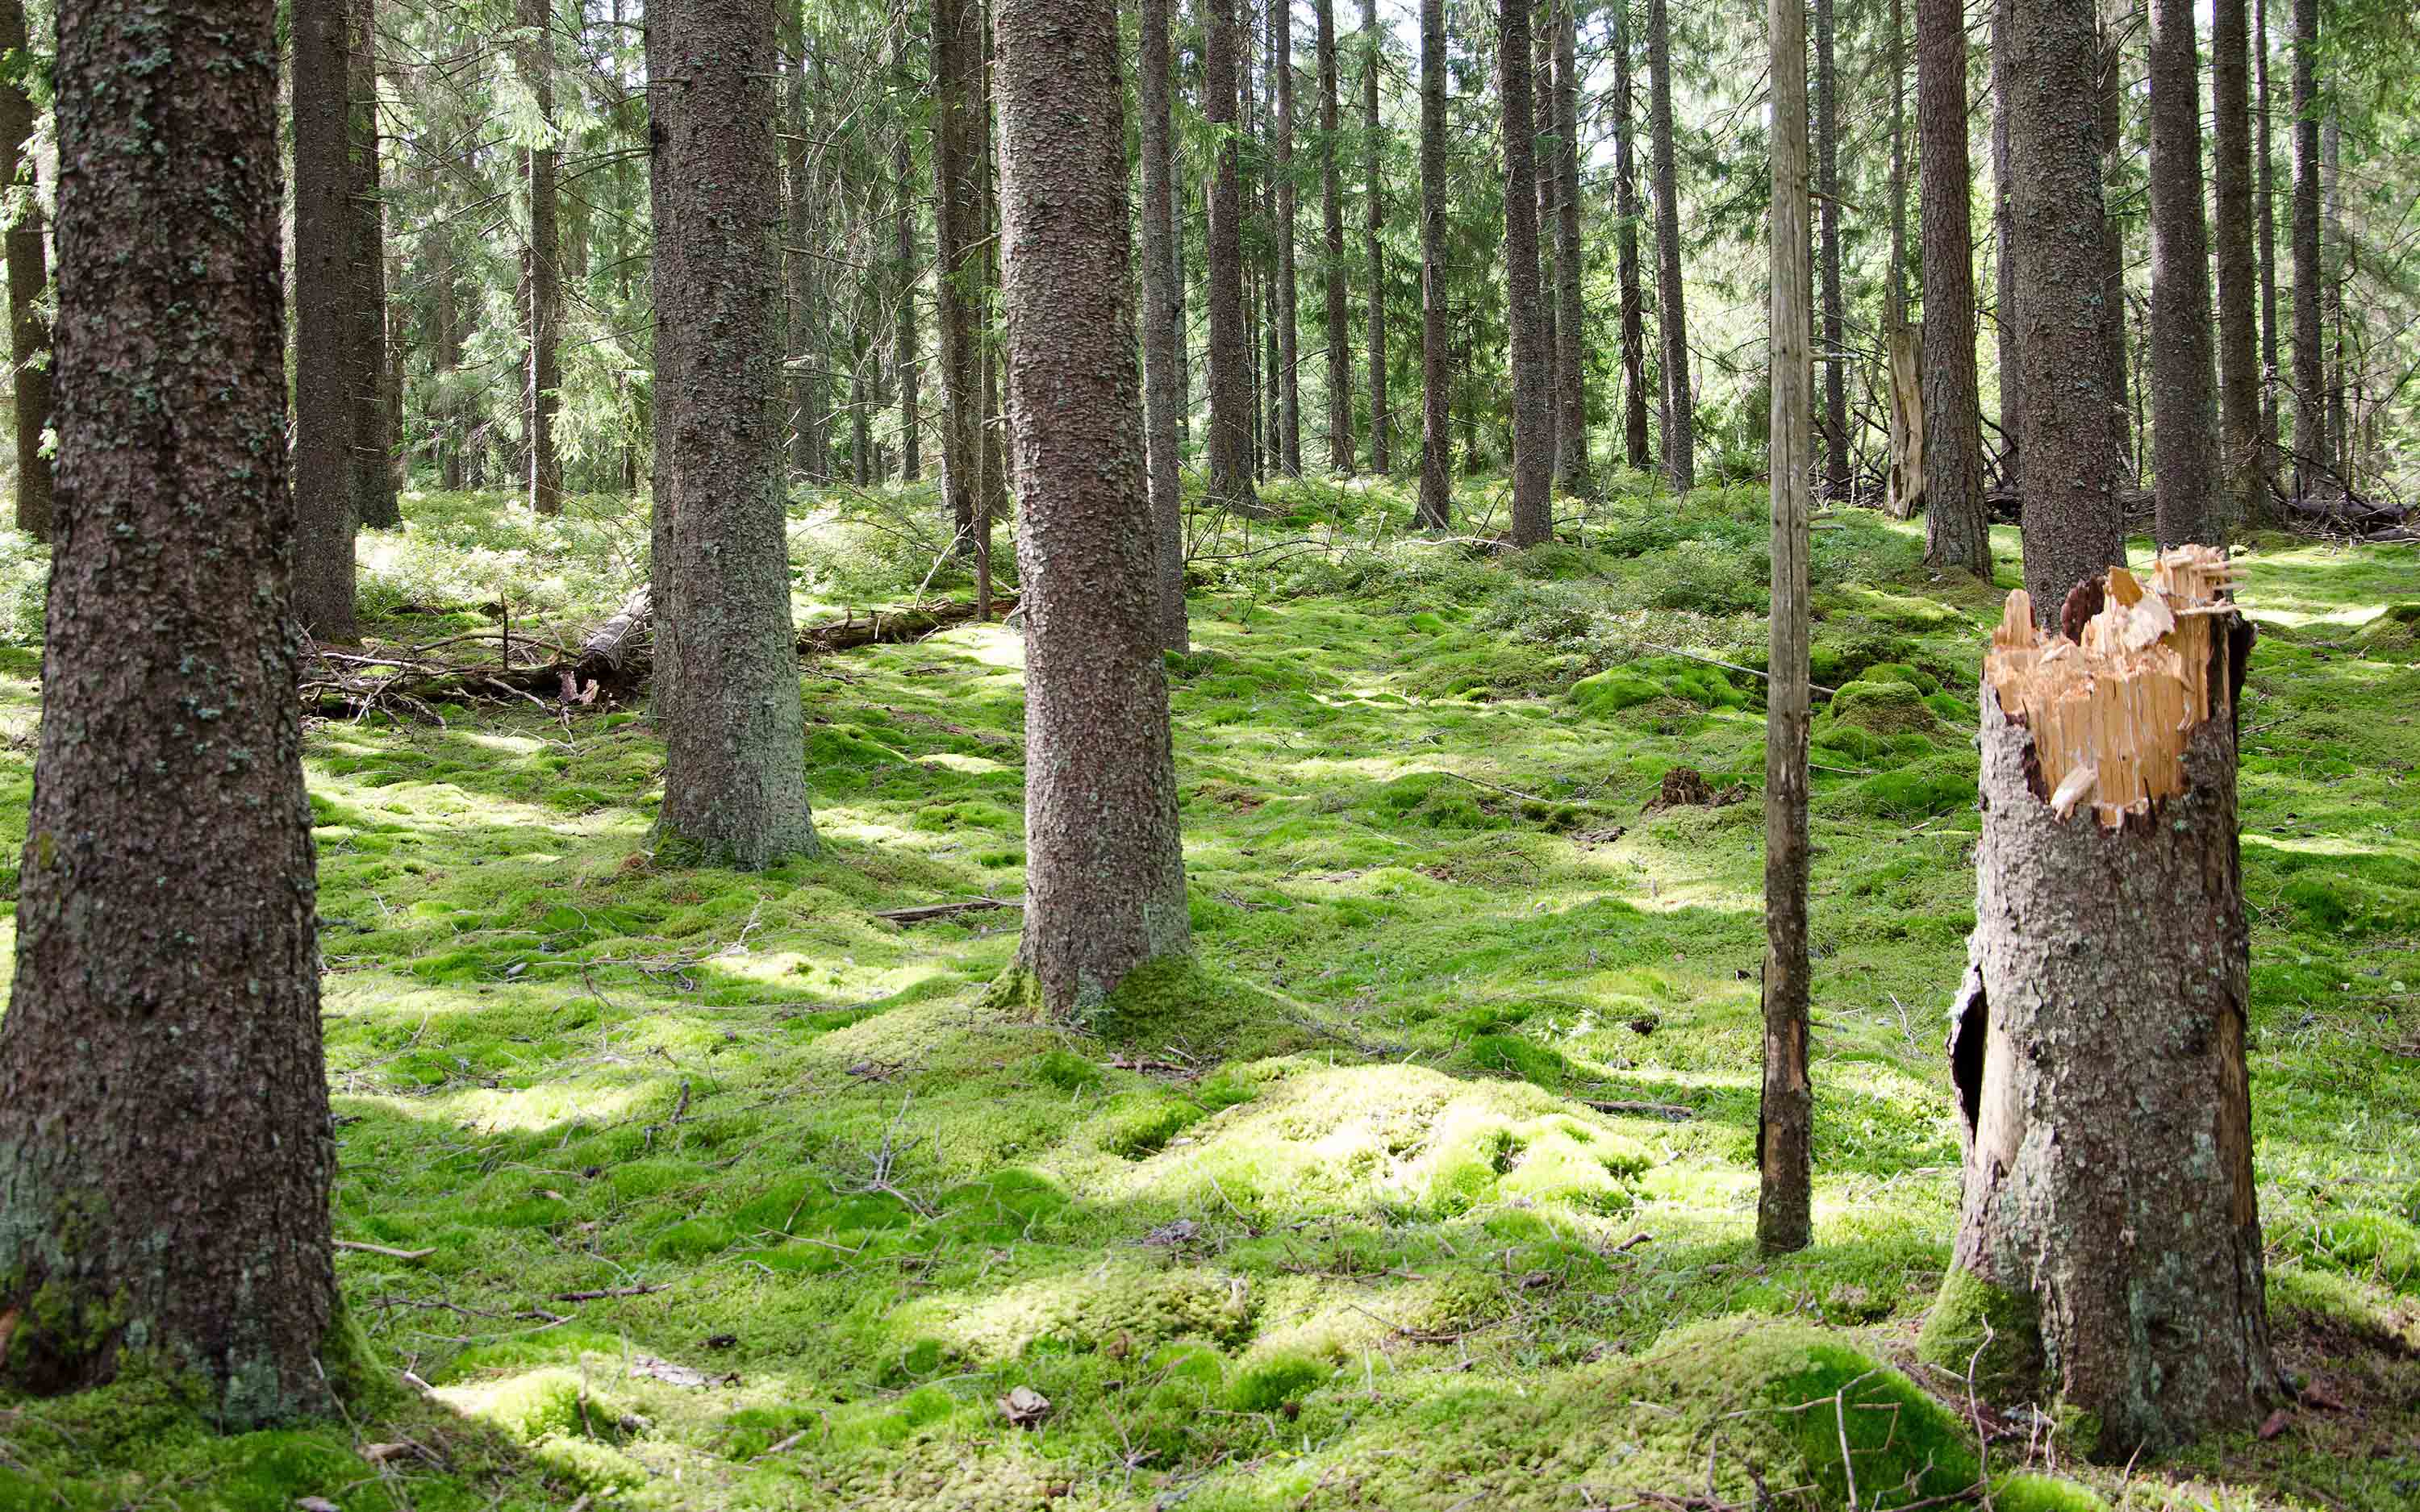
pixel 1985 1332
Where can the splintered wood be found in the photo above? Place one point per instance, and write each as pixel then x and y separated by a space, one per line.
pixel 2109 712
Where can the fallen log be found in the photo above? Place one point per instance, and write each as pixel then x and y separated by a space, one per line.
pixel 927 913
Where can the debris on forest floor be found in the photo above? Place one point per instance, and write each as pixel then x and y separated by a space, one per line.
pixel 1686 787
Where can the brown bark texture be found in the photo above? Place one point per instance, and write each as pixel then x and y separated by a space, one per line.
pixel 1838 480
pixel 1626 208
pixel 1957 522
pixel 2004 305
pixel 1373 210
pixel 1533 447
pixel 1105 870
pixel 1331 215
pixel 1437 383
pixel 958 273
pixel 1680 437
pixel 1231 354
pixel 2238 293
pixel 2266 216
pixel 726 680
pixel 1572 471
pixel 542 380
pixel 2310 388
pixel 374 482
pixel 324 329
pixel 29 330
pixel 2120 419
pixel 165 1147
pixel 1159 326
pixel 802 285
pixel 2110 1233
pixel 2184 406
pixel 1289 336
pixel 906 356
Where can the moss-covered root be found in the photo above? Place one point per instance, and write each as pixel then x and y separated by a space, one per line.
pixel 1987 1333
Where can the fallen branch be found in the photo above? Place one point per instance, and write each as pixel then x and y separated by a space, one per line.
pixel 927 913
pixel 640 1291
pixel 381 1249
pixel 1673 1111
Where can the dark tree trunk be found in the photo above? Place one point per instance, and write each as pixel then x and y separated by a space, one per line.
pixel 958 171
pixel 905 359
pixel 1436 361
pixel 2268 218
pixel 1160 334
pixel 2239 330
pixel 1105 869
pixel 1626 208
pixel 998 436
pixel 2111 88
pixel 1571 387
pixel 542 380
pixel 2332 257
pixel 1331 212
pixel 1839 478
pixel 1533 458
pixel 1680 439
pixel 1541 172
pixel 374 437
pixel 29 330
pixel 810 443
pixel 1373 207
pixel 2012 396
pixel 2111 1240
pixel 1957 523
pixel 2072 526
pixel 2310 396
pixel 1288 315
pixel 324 327
pixel 1231 356
pixel 726 685
pixel 164 1148
pixel 2184 410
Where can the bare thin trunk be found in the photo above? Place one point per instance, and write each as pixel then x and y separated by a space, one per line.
pixel 324 329
pixel 959 270
pixel 1571 386
pixel 2310 398
pixel 2268 219
pixel 2005 311
pixel 1436 382
pixel 541 397
pixel 907 357
pixel 1231 356
pixel 2184 410
pixel 1626 208
pixel 1160 332
pixel 373 450
pixel 2239 337
pixel 1374 212
pixel 1532 414
pixel 1680 421
pixel 1956 524
pixel 1289 353
pixel 1838 481
pixel 1331 212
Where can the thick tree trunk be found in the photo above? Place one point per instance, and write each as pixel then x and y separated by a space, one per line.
pixel 2239 331
pixel 1680 421
pixel 1785 1115
pixel 2111 1244
pixel 2005 313
pixel 1436 361
pixel 1626 208
pixel 1289 334
pixel 29 328
pixel 324 327
pixel 1957 522
pixel 2119 420
pixel 906 357
pixel 1331 214
pixel 1105 869
pixel 1533 458
pixel 2184 410
pixel 542 379
pixel 727 678
pixel 1373 206
pixel 1576 473
pixel 1231 356
pixel 165 1147
pixel 958 273
pixel 374 439
pixel 2073 525
pixel 2310 392
pixel 1160 332
pixel 1839 479
pixel 2267 178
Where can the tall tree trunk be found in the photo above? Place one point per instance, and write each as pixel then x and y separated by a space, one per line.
pixel 1534 459
pixel 1956 524
pixel 1542 163
pixel 1176 294
pixel 2111 1240
pixel 1626 208
pixel 1840 481
pixel 446 356
pixel 1289 335
pixel 1373 207
pixel 2005 311
pixel 2184 410
pixel 1571 381
pixel 165 1147
pixel 958 172
pixel 2331 264
pixel 2310 396
pixel 906 360
pixel 1160 334
pixel 2072 527
pixel 2267 178
pixel 29 328
pixel 726 682
pixel 810 445
pixel 1895 59
pixel 2110 89
pixel 1104 869
pixel 1436 382
pixel 324 327
pixel 1231 357
pixel 1680 439
pixel 2239 333
pixel 1331 213
pixel 1785 1115
pixel 999 435
pixel 374 439
pixel 542 391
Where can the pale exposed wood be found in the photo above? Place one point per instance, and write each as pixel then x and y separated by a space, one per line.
pixel 1906 495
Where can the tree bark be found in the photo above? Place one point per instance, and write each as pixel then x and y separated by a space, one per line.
pixel 1534 459
pixel 1680 439
pixel 2110 1240
pixel 29 328
pixel 1895 59
pixel 727 679
pixel 2119 417
pixel 2239 330
pixel 2184 409
pixel 165 1147
pixel 906 357
pixel 1786 1115
pixel 1374 219
pixel 1957 522
pixel 1105 870
pixel 2332 259
pixel 1331 211
pixel 958 171
pixel 1288 315
pixel 2268 219
pixel 1542 172
pixel 2310 396
pixel 1160 332
pixel 324 327
pixel 2072 526
pixel 374 437
pixel 445 355
pixel 1626 208
pixel 1576 473
pixel 802 281
pixel 1435 511
pixel 2005 311
pixel 1840 481
pixel 1231 356
pixel 542 391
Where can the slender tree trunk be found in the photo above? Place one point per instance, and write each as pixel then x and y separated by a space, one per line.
pixel 1436 382
pixel 958 172
pixel 2268 219
pixel 1532 404
pixel 999 435
pixel 1840 481
pixel 1231 357
pixel 2072 527
pixel 809 394
pixel 165 1147
pixel 1104 869
pixel 324 327
pixel 1571 424
pixel 1680 439
pixel 2005 318
pixel 1626 208
pixel 2332 262
pixel 2184 410
pixel 2239 333
pixel 1331 212
pixel 1895 58
pixel 1542 163
pixel 726 681
pixel 2110 90
pixel 542 379
pixel 2310 397
pixel 1786 1117
pixel 29 328
pixel 2110 1251
pixel 1374 212
pixel 1956 524
pixel 907 359
pixel 1176 294
pixel 1160 332
pixel 1289 334
pixel 373 448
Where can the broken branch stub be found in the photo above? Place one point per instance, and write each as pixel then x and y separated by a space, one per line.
pixel 2110 709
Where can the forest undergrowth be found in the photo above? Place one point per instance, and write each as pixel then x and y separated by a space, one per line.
pixel 1430 1187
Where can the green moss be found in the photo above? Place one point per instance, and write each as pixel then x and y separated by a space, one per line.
pixel 1613 692
pixel 2043 1493
pixel 1885 708
pixel 1986 1331
pixel 1271 1383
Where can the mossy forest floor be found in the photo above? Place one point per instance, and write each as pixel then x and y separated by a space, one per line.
pixel 1337 1221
